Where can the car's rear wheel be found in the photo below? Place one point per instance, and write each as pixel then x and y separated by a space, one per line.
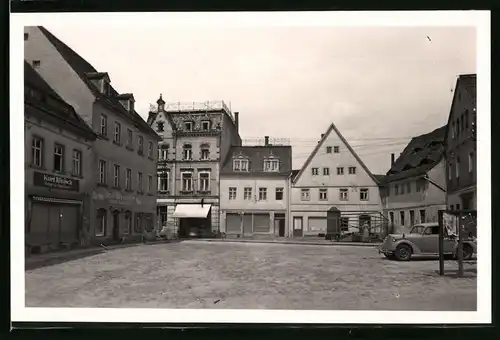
pixel 403 252
pixel 467 252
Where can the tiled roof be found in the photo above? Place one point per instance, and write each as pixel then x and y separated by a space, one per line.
pixel 86 72
pixel 56 106
pixel 380 178
pixel 256 156
pixel 420 155
pixel 294 173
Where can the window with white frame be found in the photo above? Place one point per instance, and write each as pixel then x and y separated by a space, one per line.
pixel 128 179
pixel 163 181
pixel 279 194
pixel 163 152
pixel 116 176
pixel 204 181
pixel 118 132
pixel 104 125
pixel 262 194
pixel 340 170
pixel 102 171
pixel 187 181
pixel 205 152
pixel 36 152
pixel 352 170
pixel 247 194
pixel 326 171
pixel 240 164
pixel 363 194
pixel 130 138
pixel 150 184
pixel 232 193
pixel 139 182
pixel 101 221
pixel 205 125
pixel 471 161
pixel 188 126
pixel 323 194
pixel 271 165
pixel 150 149
pixel 187 152
pixel 457 167
pixel 315 171
pixel 344 194
pixel 305 194
pixel 140 145
pixel 77 162
pixel 58 158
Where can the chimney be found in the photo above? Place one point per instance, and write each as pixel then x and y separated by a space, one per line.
pixel 237 121
pixel 266 140
pixel 392 159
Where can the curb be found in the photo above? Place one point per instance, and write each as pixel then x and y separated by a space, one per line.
pixel 374 245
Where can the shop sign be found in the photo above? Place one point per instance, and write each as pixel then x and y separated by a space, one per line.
pixel 54 181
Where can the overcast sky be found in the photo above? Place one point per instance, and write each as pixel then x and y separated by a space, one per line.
pixel 380 86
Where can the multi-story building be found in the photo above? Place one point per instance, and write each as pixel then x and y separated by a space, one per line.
pixel 58 181
pixel 460 149
pixel 414 189
pixel 334 177
pixel 254 190
pixel 195 140
pixel 123 199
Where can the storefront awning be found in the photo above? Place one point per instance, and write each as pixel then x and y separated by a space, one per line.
pixel 191 210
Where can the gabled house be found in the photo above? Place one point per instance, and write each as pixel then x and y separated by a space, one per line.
pixel 123 198
pixel 334 177
pixel 461 145
pixel 195 140
pixel 58 154
pixel 254 190
pixel 414 188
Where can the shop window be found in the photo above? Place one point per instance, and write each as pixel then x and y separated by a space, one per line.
pixel 101 222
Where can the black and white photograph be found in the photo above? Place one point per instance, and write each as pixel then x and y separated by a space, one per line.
pixel 300 167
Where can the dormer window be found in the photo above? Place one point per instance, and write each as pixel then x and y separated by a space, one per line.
pixel 159 126
pixel 187 152
pixel 131 105
pixel 271 165
pixel 188 126
pixel 205 125
pixel 106 87
pixel 240 164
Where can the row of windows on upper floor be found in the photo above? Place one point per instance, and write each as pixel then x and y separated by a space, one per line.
pixel 270 164
pixel 187 152
pixel 461 124
pixel 188 181
pixel 117 176
pixel 400 189
pixel 456 162
pixel 117 137
pixel 59 158
pixel 188 126
pixel 262 194
pixel 340 171
pixel 411 214
pixel 305 194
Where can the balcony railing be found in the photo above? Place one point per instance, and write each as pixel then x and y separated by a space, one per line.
pixel 198 107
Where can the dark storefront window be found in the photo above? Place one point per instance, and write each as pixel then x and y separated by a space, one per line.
pixel 101 221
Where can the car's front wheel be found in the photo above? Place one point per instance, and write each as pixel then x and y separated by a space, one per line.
pixel 403 252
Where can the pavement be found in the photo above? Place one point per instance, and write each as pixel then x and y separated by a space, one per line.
pixel 317 242
pixel 194 274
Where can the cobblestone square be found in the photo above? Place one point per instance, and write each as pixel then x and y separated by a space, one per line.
pixel 194 274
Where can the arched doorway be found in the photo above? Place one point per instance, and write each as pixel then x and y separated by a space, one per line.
pixel 116 225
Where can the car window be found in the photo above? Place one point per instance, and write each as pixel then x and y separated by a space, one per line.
pixel 417 229
pixel 434 230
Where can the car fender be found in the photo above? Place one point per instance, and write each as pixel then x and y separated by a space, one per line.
pixel 470 243
pixel 413 246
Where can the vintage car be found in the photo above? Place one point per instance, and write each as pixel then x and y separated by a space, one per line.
pixel 423 239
